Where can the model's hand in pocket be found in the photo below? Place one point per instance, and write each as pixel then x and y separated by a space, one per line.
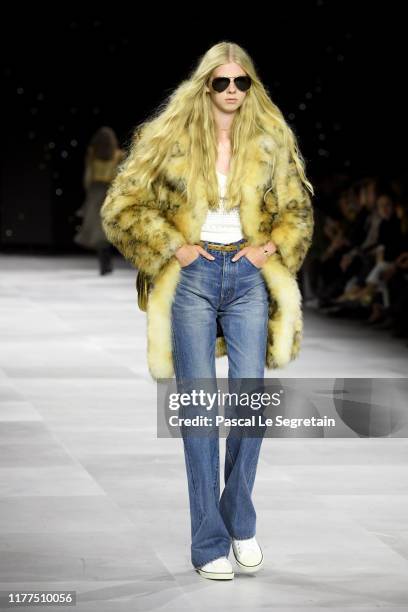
pixel 187 253
pixel 256 254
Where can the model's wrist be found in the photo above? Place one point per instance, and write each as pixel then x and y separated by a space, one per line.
pixel 268 248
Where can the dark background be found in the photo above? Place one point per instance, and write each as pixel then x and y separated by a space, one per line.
pixel 336 69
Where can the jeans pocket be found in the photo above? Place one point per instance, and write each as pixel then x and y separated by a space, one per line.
pixel 249 262
pixel 192 263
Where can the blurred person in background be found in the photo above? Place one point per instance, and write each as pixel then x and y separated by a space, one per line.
pixel 101 164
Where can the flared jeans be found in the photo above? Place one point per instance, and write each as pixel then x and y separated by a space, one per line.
pixel 234 297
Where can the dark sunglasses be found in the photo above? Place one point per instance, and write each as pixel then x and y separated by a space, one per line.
pixel 220 84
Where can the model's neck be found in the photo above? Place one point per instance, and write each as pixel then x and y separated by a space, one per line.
pixel 223 123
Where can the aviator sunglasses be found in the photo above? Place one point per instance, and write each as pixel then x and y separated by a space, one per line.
pixel 242 82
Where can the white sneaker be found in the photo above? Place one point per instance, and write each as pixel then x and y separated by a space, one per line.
pixel 248 554
pixel 219 569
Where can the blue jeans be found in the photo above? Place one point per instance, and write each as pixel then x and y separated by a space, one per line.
pixel 234 296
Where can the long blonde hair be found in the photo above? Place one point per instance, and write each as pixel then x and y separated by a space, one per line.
pixel 189 109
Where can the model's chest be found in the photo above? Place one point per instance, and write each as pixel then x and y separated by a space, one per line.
pixel 223 158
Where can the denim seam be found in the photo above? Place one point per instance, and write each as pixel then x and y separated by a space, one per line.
pixel 176 356
pixel 232 462
pixel 229 453
pixel 253 467
pixel 217 467
pixel 196 501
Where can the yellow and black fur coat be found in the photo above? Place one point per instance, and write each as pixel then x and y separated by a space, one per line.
pixel 147 230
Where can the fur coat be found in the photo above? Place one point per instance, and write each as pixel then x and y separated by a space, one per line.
pixel 149 228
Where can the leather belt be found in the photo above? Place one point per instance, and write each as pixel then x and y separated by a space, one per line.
pixel 223 247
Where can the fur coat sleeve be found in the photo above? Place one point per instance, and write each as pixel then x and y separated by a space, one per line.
pixel 135 224
pixel 293 226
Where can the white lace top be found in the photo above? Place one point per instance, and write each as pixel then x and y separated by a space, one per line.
pixel 221 225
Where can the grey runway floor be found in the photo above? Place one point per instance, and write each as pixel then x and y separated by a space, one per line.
pixel 92 501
